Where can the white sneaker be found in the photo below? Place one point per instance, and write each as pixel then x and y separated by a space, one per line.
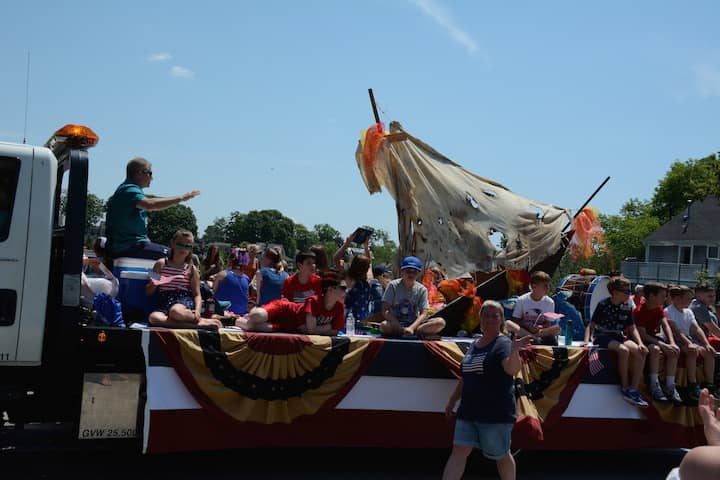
pixel 657 393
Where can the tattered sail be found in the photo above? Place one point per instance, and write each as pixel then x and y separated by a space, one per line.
pixel 447 214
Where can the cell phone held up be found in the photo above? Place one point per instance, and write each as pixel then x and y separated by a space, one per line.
pixel 362 234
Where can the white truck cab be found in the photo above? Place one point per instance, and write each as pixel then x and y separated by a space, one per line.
pixel 51 354
pixel 26 204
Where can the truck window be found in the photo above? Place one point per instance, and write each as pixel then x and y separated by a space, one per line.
pixel 9 172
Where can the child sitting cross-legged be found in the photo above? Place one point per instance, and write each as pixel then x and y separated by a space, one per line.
pixel 690 338
pixel 657 335
pixel 528 315
pixel 610 320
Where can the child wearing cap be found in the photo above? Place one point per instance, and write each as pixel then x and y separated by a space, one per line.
pixel 320 314
pixel 405 305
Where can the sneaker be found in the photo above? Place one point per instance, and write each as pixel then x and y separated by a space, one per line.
pixel 694 392
pixel 673 396
pixel 657 393
pixel 634 397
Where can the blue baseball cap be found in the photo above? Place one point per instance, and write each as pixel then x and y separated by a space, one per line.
pixel 411 262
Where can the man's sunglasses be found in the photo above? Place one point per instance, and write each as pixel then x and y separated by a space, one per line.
pixel 147 172
pixel 340 287
pixel 184 246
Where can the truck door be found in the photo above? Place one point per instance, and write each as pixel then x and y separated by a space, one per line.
pixel 15 177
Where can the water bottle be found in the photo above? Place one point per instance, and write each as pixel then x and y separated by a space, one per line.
pixel 568 332
pixel 349 324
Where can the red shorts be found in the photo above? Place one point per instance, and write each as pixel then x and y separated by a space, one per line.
pixel 714 342
pixel 284 315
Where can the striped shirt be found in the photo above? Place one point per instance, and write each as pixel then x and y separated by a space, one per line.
pixel 180 278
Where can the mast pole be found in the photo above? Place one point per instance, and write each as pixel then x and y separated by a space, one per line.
pixel 587 201
pixel 374 105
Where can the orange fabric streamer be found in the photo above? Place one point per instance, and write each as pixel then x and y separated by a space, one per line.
pixel 588 237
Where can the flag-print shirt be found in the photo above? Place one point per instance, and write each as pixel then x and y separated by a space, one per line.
pixel 180 277
pixel 610 319
pixel 488 393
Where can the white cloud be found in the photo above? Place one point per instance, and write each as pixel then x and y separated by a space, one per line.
pixel 159 57
pixel 444 19
pixel 707 80
pixel 182 72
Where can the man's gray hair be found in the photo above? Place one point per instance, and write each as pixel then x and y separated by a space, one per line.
pixel 135 165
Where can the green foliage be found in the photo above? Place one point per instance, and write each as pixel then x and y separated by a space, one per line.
pixel 685 181
pixel 262 226
pixel 216 232
pixel 162 224
pixel 384 249
pixel 326 233
pixel 305 238
pixel 95 212
pixel 233 228
pixel 703 276
pixel 625 233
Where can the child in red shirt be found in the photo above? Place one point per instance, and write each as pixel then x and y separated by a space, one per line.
pixel 656 333
pixel 304 284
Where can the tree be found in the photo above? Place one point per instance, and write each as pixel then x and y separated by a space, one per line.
pixel 685 181
pixel 384 249
pixel 269 226
pixel 326 233
pixel 217 231
pixel 162 224
pixel 95 212
pixel 625 233
pixel 233 229
pixel 95 209
pixel 304 237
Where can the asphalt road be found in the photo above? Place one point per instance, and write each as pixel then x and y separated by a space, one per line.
pixel 268 464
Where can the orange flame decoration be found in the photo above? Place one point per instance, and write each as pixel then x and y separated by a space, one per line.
pixel 460 287
pixel 589 237
pixel 371 144
pixel 518 281
pixel 435 298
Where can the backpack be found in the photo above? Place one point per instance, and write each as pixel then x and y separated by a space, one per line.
pixel 109 310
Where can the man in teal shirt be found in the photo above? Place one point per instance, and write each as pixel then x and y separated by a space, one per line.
pixel 126 219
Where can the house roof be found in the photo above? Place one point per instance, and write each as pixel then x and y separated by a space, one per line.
pixel 703 225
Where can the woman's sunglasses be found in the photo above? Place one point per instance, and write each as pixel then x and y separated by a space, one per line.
pixel 183 246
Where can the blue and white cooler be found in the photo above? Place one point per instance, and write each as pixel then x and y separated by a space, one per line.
pixel 133 274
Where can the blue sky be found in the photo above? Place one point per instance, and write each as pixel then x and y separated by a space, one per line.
pixel 260 104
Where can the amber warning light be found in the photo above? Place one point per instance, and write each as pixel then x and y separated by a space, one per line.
pixel 73 136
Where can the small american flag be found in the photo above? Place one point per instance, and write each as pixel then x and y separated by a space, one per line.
pixel 595 364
